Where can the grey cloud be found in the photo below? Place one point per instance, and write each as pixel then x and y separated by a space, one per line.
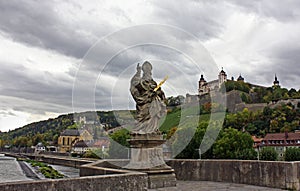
pixel 201 18
pixel 44 87
pixel 284 11
pixel 286 61
pixel 7 113
pixel 38 24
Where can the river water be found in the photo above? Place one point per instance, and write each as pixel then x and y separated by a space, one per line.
pixel 10 170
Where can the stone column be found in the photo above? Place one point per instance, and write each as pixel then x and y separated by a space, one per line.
pixel 147 157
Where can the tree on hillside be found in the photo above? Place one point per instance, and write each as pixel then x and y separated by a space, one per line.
pixel 234 85
pixel 269 154
pixel 292 154
pixel 234 144
pixel 119 146
pixel 293 93
pixel 175 101
pixel 190 151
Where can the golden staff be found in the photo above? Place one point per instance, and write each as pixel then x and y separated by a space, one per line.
pixel 161 83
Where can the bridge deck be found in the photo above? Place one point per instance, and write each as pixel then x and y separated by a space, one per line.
pixel 213 186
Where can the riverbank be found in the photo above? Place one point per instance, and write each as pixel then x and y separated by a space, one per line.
pixel 28 171
pixel 33 172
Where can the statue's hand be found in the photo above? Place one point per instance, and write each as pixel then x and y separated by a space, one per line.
pixel 138 68
pixel 152 94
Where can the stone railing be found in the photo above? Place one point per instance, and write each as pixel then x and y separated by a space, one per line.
pixel 120 182
pixel 285 175
pixel 260 173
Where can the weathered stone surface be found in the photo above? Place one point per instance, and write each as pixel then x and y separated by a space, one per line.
pixel 121 182
pixel 161 180
pixel 147 157
pixel 157 177
pixel 213 186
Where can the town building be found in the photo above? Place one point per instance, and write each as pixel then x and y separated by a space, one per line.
pixel 39 148
pixel 80 147
pixel 256 142
pixel 280 141
pixel 70 136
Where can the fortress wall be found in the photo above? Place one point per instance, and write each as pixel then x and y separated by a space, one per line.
pixel 256 106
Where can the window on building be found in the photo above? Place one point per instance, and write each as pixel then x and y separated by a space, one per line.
pixel 63 140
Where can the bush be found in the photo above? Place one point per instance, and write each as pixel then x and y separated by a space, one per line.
pixel 74 154
pixel 292 154
pixel 90 154
pixel 268 153
pixel 46 170
pixel 247 154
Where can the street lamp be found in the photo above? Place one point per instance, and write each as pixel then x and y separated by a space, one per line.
pixel 199 150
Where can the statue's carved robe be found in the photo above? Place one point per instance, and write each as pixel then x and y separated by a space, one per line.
pixel 150 106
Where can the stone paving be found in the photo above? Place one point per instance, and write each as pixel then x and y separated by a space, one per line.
pixel 213 186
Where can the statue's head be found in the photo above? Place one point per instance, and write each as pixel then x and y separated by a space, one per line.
pixel 147 67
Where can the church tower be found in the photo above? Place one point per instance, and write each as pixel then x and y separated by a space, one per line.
pixel 276 82
pixel 240 78
pixel 222 77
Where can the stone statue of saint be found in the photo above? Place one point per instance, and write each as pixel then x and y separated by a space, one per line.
pixel 150 101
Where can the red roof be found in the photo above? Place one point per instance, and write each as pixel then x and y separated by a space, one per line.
pixel 101 143
pixel 80 144
pixel 256 139
pixel 282 136
pixel 281 139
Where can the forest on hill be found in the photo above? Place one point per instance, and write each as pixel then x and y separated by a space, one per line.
pixel 48 131
pixel 234 140
pixel 259 94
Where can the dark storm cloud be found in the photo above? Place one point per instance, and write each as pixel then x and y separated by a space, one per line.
pixel 38 24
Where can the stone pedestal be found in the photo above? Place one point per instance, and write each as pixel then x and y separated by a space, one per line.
pixel 147 157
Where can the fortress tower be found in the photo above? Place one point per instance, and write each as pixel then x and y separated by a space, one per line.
pixel 222 77
pixel 203 86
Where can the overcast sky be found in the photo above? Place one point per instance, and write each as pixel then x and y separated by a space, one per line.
pixel 49 49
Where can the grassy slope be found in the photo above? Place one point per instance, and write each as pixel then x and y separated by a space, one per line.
pixel 179 117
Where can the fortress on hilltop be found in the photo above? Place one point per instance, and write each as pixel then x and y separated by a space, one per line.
pixel 215 85
pixel 234 101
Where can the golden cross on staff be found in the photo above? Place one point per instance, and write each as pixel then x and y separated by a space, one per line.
pixel 161 83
